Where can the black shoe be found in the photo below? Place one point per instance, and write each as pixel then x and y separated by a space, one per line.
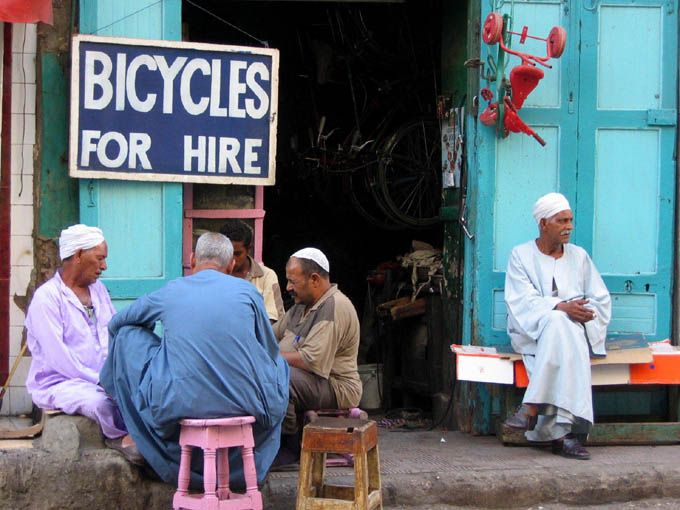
pixel 570 447
pixel 521 420
pixel 131 453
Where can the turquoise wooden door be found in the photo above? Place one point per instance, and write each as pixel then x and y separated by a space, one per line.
pixel 142 221
pixel 607 112
pixel 627 116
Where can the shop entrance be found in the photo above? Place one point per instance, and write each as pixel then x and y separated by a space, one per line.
pixel 358 149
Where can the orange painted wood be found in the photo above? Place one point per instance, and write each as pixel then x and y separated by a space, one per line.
pixel 665 369
pixel 521 377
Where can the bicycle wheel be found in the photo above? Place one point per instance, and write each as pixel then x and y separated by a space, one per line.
pixel 409 173
pixel 363 202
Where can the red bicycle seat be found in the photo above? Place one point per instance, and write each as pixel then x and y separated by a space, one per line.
pixel 523 80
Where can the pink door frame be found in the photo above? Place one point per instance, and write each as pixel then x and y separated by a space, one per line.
pixel 257 213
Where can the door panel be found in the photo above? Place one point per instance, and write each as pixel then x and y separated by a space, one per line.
pixel 523 169
pixel 142 221
pixel 517 180
pixel 626 173
pixel 539 17
pixel 607 112
pixel 630 52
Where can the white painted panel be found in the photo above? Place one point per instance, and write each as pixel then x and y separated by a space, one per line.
pixel 489 369
pixel 524 172
pixel 627 172
pixel 629 71
pixel 540 18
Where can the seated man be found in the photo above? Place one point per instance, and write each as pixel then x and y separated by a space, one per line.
pixel 261 276
pixel 218 358
pixel 66 333
pixel 319 337
pixel 558 311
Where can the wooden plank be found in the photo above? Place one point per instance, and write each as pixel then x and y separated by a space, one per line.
pixel 388 305
pixel 408 310
pixel 338 492
pixel 328 504
pixel 607 434
pixel 635 433
pixel 224 213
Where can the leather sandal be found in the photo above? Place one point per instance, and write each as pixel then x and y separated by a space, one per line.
pixel 131 453
pixel 570 447
pixel 521 419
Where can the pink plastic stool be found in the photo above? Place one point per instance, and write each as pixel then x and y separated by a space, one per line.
pixel 215 437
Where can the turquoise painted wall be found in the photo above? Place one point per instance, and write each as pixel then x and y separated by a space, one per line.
pixel 142 221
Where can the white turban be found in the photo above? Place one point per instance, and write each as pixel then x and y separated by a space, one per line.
pixel 313 254
pixel 549 205
pixel 77 237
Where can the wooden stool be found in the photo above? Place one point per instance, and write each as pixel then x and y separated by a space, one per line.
pixel 215 437
pixel 345 436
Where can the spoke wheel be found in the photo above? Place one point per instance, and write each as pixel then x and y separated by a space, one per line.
pixel 361 195
pixel 409 173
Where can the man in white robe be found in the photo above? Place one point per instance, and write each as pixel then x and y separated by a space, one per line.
pixel 558 311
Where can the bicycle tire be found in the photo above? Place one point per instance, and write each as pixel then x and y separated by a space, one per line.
pixel 363 203
pixel 409 173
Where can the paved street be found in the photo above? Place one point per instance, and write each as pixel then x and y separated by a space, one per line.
pixel 664 503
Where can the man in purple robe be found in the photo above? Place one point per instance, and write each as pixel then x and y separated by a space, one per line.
pixel 67 335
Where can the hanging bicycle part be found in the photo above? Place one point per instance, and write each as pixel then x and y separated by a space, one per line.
pixel 524 78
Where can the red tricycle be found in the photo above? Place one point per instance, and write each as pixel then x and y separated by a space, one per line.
pixel 523 78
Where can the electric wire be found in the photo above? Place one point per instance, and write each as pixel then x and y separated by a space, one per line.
pixel 262 42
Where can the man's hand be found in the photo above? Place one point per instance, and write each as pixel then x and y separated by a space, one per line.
pixel 576 310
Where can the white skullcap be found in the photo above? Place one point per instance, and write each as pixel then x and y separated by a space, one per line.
pixel 549 205
pixel 313 254
pixel 77 237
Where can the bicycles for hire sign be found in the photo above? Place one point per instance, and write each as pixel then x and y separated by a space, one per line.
pixel 173 111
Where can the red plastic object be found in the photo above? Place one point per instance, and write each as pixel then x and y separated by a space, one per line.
pixel 493 28
pixel 488 117
pixel 557 40
pixel 513 123
pixel 523 79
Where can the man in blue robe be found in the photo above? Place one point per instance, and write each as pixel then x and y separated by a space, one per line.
pixel 218 357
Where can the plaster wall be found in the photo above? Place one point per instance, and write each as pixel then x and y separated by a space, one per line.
pixel 23 127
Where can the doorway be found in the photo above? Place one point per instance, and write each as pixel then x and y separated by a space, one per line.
pixel 358 146
pixel 357 95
